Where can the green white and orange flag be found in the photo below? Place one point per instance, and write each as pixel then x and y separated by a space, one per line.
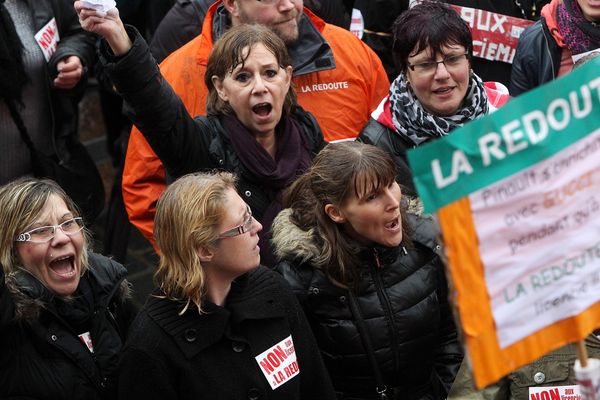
pixel 518 198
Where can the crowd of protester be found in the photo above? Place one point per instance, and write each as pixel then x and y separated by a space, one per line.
pixel 267 165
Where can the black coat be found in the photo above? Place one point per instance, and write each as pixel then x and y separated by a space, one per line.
pixel 537 59
pixel 42 357
pixel 403 298
pixel 212 355
pixel 73 41
pixel 185 144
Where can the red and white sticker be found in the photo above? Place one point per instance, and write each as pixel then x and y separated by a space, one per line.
pixel 86 338
pixel 47 38
pixel 279 364
pixel 555 393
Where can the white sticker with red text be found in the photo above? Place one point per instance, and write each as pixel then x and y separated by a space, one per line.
pixel 86 338
pixel 555 393
pixel 47 38
pixel 278 363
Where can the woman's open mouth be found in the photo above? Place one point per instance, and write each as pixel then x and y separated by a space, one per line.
pixel 263 110
pixel 393 225
pixel 445 91
pixel 63 266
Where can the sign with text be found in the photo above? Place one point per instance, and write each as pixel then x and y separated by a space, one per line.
pixel 571 392
pixel 48 38
pixel 518 197
pixel 495 36
pixel 278 364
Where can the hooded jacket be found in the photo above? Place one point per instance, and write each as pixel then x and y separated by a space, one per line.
pixel 403 298
pixel 538 56
pixel 332 70
pixel 380 132
pixel 41 355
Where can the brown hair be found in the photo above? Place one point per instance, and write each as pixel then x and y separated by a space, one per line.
pixel 430 23
pixel 339 171
pixel 188 216
pixel 21 203
pixel 230 51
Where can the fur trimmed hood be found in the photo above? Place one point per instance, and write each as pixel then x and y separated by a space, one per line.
pixel 290 242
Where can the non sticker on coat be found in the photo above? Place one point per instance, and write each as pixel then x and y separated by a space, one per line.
pixel 279 363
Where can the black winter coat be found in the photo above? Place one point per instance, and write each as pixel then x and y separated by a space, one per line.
pixel 185 144
pixel 537 59
pixel 403 298
pixel 41 355
pixel 73 41
pixel 212 355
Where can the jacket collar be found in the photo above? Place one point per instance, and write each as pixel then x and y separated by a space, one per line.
pixel 311 52
pixel 252 297
pixel 30 295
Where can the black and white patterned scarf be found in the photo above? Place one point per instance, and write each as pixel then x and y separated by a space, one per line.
pixel 412 121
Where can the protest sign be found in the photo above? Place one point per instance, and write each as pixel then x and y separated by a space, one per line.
pixel 495 36
pixel 519 206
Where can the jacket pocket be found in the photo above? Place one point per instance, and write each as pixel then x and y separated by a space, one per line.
pixel 551 372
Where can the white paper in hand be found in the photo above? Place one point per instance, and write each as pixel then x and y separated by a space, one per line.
pixel 99 5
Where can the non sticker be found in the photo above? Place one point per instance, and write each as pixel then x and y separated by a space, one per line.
pixel 86 338
pixel 279 363
pixel 47 38
pixel 555 393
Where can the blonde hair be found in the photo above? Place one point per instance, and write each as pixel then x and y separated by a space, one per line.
pixel 21 203
pixel 188 215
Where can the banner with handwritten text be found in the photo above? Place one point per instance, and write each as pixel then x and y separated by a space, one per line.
pixel 518 198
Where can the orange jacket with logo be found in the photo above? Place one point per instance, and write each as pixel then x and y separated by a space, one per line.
pixel 341 99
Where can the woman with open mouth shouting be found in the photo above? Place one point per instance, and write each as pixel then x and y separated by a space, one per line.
pixel 369 278
pixel 253 128
pixel 64 311
pixel 436 92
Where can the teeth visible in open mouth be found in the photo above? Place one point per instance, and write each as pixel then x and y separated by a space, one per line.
pixel 262 109
pixel 63 266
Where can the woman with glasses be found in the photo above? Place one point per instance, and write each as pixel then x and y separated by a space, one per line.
pixel 253 126
pixel 218 326
pixel 367 273
pixel 436 91
pixel 64 311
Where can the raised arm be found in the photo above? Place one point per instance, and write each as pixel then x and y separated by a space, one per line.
pixel 109 26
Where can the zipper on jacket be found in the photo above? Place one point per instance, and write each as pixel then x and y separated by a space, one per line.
pixel 387 308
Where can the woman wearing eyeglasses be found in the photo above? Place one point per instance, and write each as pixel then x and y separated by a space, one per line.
pixel 218 326
pixel 64 311
pixel 436 91
pixel 253 126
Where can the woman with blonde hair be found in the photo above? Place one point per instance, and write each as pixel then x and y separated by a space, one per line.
pixel 64 311
pixel 218 326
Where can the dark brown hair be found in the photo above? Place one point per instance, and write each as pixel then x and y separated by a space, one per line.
pixel 432 24
pixel 339 171
pixel 230 51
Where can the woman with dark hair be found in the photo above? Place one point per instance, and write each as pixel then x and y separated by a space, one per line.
pixel 549 48
pixel 368 275
pixel 64 311
pixel 436 91
pixel 219 326
pixel 254 126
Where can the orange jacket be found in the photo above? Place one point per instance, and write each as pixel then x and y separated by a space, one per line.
pixel 341 99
